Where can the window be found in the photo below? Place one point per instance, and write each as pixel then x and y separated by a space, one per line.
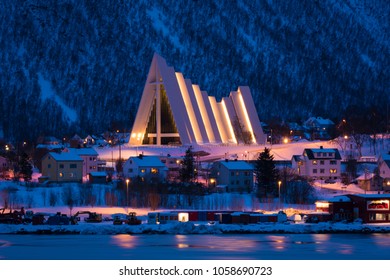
pixel 73 165
pixel 246 173
pixel 154 170
pixel 333 162
pixel 333 170
pixel 49 165
pixel 232 173
pixel 314 162
pixel 322 171
pixel 143 170
pixel 61 165
pixel 130 170
pixel 322 162
pixel 232 182
pixel 61 174
pixel 314 170
pixel 72 175
pixel 237 173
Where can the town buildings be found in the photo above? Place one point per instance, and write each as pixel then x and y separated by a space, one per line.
pixel 318 164
pixel 233 175
pixel 62 167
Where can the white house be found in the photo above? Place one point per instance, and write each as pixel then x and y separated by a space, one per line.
pixel 145 167
pixel 384 169
pixel 318 163
pixel 319 127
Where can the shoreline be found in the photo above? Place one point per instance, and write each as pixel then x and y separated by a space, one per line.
pixel 189 228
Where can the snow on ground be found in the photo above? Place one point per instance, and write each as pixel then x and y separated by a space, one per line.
pixel 107 228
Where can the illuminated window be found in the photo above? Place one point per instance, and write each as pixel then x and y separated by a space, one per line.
pixel 143 170
pixel 154 170
pixel 61 174
pixel 314 162
pixel 333 170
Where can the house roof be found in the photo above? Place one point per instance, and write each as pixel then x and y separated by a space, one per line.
pixel 386 158
pixel 98 173
pixel 237 165
pixel 310 153
pixel 297 158
pixel 147 161
pixel 367 176
pixel 65 156
pixel 83 151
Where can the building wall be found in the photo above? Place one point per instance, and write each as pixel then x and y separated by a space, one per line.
pixel 61 171
pixel 235 180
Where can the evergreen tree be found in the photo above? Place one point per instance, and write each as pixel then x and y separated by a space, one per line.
pixel 25 167
pixel 266 174
pixel 187 171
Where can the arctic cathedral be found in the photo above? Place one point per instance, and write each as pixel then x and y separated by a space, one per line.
pixel 173 111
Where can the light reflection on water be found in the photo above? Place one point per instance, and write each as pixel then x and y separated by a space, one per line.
pixel 224 246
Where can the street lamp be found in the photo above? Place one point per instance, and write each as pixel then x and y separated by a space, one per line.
pixel 279 183
pixel 127 195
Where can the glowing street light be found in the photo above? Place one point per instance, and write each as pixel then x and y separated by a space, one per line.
pixel 279 183
pixel 127 195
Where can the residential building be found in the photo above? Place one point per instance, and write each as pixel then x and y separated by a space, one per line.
pixel 234 175
pixel 89 156
pixel 173 111
pixel 173 165
pixel 384 170
pixel 145 167
pixel 319 128
pixel 318 163
pixel 62 167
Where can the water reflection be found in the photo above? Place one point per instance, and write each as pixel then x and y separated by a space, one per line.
pixel 125 241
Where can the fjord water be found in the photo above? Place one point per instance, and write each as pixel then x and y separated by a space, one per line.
pixel 196 247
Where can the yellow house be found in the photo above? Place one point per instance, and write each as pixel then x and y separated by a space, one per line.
pixel 62 167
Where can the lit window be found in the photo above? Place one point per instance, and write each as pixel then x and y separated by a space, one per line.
pixel 333 170
pixel 314 162
pixel 143 170
pixel 154 170
pixel 61 174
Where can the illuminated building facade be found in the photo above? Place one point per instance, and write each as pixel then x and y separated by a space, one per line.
pixel 174 111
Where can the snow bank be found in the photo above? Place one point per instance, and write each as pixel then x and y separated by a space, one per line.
pixel 107 228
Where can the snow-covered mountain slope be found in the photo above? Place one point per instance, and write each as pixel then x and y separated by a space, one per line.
pixel 299 58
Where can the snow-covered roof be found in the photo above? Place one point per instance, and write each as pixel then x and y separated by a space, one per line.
pixel 340 198
pixel 65 156
pixel 83 151
pixel 237 165
pixel 366 176
pixel 98 174
pixel 147 161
